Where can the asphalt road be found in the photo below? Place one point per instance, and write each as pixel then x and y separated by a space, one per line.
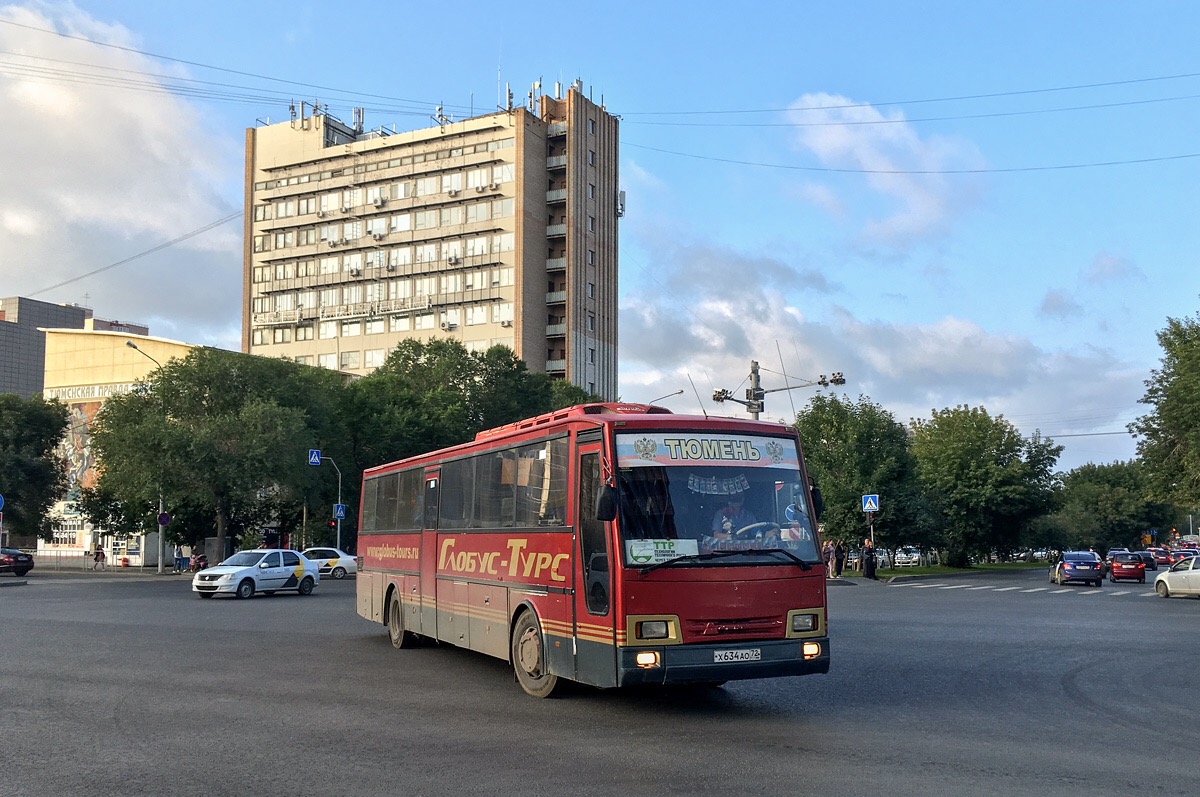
pixel 981 685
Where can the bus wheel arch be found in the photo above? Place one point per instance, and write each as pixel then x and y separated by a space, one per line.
pixel 527 653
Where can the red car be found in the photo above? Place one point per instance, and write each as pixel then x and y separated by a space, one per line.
pixel 1161 556
pixel 1126 567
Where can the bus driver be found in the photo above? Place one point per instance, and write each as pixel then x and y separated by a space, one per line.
pixel 732 517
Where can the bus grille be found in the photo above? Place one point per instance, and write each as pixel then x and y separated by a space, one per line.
pixel 743 628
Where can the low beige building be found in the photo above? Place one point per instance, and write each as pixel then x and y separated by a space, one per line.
pixel 83 369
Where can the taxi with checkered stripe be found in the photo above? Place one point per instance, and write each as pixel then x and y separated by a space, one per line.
pixel 333 562
pixel 265 570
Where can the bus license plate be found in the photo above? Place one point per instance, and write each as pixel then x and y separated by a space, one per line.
pixel 749 654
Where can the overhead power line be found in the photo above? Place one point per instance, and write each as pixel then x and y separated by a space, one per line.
pixel 847 170
pixel 131 258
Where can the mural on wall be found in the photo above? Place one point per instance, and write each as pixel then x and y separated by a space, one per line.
pixel 76 449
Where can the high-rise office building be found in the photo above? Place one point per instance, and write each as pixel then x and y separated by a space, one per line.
pixel 499 228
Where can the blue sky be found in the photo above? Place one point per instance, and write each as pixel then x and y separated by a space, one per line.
pixel 951 203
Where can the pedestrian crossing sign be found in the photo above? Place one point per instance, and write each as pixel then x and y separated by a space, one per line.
pixel 870 503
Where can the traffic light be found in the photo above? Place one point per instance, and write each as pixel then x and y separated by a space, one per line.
pixel 332 524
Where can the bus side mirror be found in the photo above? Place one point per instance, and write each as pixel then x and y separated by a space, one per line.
pixel 606 503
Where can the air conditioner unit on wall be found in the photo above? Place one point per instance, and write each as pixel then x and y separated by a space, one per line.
pixel 355 272
pixel 452 260
pixel 452 192
pixel 345 208
pixel 378 236
pixel 494 186
pixel 506 322
pixel 379 202
pixel 479 189
pixel 320 214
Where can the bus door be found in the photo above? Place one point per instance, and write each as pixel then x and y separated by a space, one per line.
pixel 594 610
pixel 426 585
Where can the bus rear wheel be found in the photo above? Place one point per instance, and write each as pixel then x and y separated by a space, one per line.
pixel 395 623
pixel 529 658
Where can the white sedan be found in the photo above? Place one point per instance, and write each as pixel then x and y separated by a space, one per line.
pixel 333 562
pixel 264 570
pixel 1183 578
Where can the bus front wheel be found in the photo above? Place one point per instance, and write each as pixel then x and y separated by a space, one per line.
pixel 395 623
pixel 529 658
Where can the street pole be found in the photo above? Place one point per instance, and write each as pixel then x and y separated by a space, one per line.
pixel 339 520
pixel 756 403
pixel 162 529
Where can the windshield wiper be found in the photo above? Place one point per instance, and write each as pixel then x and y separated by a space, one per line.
pixel 704 557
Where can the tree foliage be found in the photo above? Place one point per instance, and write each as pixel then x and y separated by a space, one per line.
pixel 220 432
pixel 1169 435
pixel 33 476
pixel 854 449
pixel 985 482
pixel 1106 506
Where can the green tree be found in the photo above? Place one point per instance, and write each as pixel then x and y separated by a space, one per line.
pixel 1169 435
pixel 1106 506
pixel 221 432
pixel 854 449
pixel 986 483
pixel 32 475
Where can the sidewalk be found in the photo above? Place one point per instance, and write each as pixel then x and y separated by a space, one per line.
pixel 76 566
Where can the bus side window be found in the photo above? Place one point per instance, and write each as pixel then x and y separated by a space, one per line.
pixel 592 537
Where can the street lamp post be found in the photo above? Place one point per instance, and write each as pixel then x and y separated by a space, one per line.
pixel 162 528
pixel 756 395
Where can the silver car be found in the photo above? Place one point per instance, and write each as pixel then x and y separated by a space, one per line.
pixel 1182 578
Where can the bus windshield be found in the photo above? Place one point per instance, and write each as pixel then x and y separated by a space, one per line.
pixel 685 496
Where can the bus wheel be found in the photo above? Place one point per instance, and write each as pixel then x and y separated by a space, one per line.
pixel 529 658
pixel 395 623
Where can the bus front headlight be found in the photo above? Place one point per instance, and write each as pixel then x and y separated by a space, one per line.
pixel 653 629
pixel 804 622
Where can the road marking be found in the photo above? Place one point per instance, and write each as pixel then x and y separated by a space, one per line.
pixel 926 586
pixel 989 586
pixel 1038 589
pixel 1147 595
pixel 1122 592
pixel 955 586
pixel 1061 591
pixel 1006 589
pixel 1090 592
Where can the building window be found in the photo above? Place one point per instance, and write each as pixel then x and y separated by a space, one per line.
pixel 373 358
pixel 351 329
pixel 425 322
pixel 591 190
pixel 591 257
pixel 349 360
pixel 591 157
pixel 374 327
pixel 282 335
pixel 260 337
pixel 304 333
pixel 399 323
pixel 591 322
pixel 327 361
pixel 591 290
pixel 304 359
pixel 327 330
pixel 591 355
pixel 591 127
pixel 591 223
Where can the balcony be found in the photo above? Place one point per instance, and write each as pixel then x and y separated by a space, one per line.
pixel 556 129
pixel 556 330
pixel 277 317
pixel 556 264
pixel 556 366
pixel 556 297
pixel 556 230
pixel 556 162
pixel 556 195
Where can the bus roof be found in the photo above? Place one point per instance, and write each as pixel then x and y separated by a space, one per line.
pixel 572 412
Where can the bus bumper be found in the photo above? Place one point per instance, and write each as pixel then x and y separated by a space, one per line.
pixel 685 664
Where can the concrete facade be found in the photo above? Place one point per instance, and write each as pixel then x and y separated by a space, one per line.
pixel 499 229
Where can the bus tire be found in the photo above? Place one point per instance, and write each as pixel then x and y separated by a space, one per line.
pixel 395 622
pixel 529 658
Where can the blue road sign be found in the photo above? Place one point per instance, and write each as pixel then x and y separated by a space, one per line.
pixel 314 456
pixel 870 503
pixel 1 502
pixel 339 511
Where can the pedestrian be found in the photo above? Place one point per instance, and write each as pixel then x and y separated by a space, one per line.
pixel 98 559
pixel 180 559
pixel 827 557
pixel 839 559
pixel 868 560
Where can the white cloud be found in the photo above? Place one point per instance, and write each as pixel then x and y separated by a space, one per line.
pixel 1059 304
pixel 94 175
pixel 1110 268
pixel 898 165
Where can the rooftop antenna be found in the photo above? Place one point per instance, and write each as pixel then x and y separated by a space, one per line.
pixel 786 381
pixel 697 392
pixel 441 118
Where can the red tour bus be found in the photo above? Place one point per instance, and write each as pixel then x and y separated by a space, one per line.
pixel 609 544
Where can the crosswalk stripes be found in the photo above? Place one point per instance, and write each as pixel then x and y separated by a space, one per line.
pixel 1064 590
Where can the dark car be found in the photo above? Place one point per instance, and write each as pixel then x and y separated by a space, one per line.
pixel 1126 567
pixel 14 561
pixel 1078 566
pixel 1161 556
pixel 1147 559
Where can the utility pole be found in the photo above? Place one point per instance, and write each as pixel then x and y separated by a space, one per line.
pixel 755 401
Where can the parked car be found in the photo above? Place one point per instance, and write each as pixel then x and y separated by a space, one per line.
pixel 15 561
pixel 908 557
pixel 1147 559
pixel 1181 578
pixel 332 562
pixel 264 570
pixel 1078 566
pixel 1126 566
